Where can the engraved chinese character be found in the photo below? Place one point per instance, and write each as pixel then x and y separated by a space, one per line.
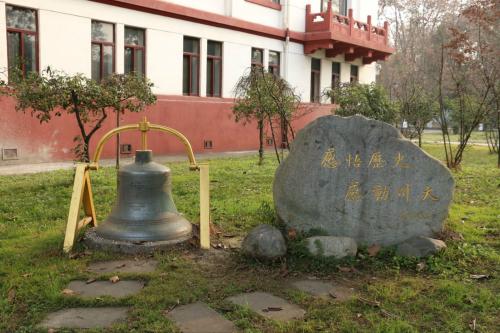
pixel 329 160
pixel 353 192
pixel 380 192
pixel 399 161
pixel 376 161
pixel 427 194
pixel 404 192
pixel 353 161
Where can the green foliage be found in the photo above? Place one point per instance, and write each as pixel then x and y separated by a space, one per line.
pixel 264 97
pixel 369 100
pixel 52 93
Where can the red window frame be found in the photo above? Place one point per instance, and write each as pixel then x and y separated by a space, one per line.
pixel 254 64
pixel 101 48
pixel 136 48
pixel 275 68
pixel 212 71
pixel 21 33
pixel 191 55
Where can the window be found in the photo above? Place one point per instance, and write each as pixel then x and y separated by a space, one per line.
pixel 214 69
pixel 191 67
pixel 354 74
pixel 274 63
pixel 135 51
pixel 22 39
pixel 257 58
pixel 315 79
pixel 338 6
pixel 335 77
pixel 103 50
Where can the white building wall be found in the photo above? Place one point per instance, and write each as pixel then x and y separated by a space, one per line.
pixel 65 33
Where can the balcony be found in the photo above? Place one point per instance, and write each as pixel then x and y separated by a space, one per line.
pixel 338 34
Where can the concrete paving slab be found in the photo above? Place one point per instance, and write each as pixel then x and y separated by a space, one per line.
pixel 122 288
pixel 85 317
pixel 269 306
pixel 324 289
pixel 124 266
pixel 199 318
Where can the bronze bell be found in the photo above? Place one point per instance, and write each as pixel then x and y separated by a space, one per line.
pixel 144 210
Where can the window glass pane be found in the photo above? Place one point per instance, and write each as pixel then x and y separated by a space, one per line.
pixel 217 77
pixel 257 56
pixel 21 18
pixel 336 68
pixel 210 63
pixel 274 58
pixel 139 62
pixel 134 36
pixel 316 64
pixel 29 53
pixel 129 66
pixel 194 75
pixel 354 70
pixel 214 48
pixel 96 62
pixel 191 45
pixel 13 48
pixel 185 75
pixel 107 68
pixel 102 32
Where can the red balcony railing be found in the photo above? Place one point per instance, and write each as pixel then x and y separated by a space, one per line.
pixel 339 34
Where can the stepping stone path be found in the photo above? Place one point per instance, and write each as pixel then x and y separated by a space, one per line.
pixel 101 317
pixel 119 289
pixel 123 266
pixel 269 306
pixel 199 318
pixel 324 289
pixel 85 317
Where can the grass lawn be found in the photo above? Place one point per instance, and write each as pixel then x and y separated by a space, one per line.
pixel 436 136
pixel 442 297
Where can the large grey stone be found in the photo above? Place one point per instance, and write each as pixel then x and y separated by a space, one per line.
pixel 268 305
pixel 85 317
pixel 122 288
pixel 359 178
pixel 199 318
pixel 264 242
pixel 123 266
pixel 419 247
pixel 332 246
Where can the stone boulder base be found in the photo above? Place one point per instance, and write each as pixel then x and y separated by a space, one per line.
pixel 359 178
pixel 331 246
pixel 264 242
pixel 419 247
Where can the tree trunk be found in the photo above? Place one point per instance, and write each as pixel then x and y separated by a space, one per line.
pixel 261 140
pixel 274 138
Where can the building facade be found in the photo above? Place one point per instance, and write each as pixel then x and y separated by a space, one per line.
pixel 194 52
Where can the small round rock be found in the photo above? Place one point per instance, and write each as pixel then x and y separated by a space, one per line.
pixel 264 242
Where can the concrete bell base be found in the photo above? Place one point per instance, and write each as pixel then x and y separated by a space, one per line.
pixel 93 241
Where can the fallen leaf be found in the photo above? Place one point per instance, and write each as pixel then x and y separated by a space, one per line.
pixel 421 266
pixel 68 292
pixel 11 295
pixel 26 275
pixel 479 276
pixel 121 266
pixel 171 308
pixel 332 294
pixel 472 325
pixel 292 234
pixel 374 250
pixel 387 314
pixel 89 281
pixel 345 269
pixel 272 309
pixel 359 315
pixel 369 302
pixel 114 279
pixel 51 330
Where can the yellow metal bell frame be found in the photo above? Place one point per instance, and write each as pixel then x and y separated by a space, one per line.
pixel 82 190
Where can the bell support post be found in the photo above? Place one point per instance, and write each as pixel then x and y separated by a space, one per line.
pixel 82 192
